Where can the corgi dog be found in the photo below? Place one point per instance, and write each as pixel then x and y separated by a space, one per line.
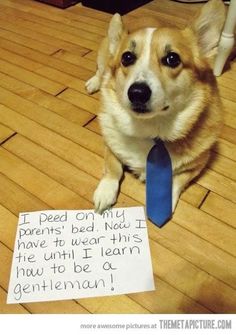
pixel 156 82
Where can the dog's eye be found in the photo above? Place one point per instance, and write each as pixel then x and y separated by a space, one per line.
pixel 172 59
pixel 128 58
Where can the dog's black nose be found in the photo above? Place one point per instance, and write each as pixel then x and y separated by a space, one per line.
pixel 139 93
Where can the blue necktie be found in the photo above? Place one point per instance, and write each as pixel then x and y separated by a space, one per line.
pixel 159 184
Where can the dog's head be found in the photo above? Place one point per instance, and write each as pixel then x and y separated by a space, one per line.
pixel 156 69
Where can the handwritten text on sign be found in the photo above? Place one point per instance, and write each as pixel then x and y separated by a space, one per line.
pixel 76 254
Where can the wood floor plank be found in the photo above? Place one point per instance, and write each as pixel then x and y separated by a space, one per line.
pixel 226 148
pixel 60 35
pixel 74 59
pixel 223 165
pixel 220 208
pixel 219 184
pixel 197 251
pixel 189 279
pixel 114 305
pixel 230 120
pixel 94 126
pixel 26 41
pixel 46 100
pixel 65 173
pixel 82 101
pixel 229 134
pixel 57 15
pixel 92 55
pixel 229 115
pixel 38 183
pixel 19 87
pixel 5 133
pixel 69 80
pixel 10 309
pixel 20 29
pixel 225 81
pixel 8 224
pixel 31 78
pixel 228 71
pixel 50 141
pixel 33 60
pixel 51 120
pixel 229 106
pixel 16 199
pixel 57 307
pixel 151 301
pixel 6 259
pixel 215 231
pixel 176 301
pixel 20 61
pixel 194 194
pixel 91 126
pixel 65 79
pixel 46 22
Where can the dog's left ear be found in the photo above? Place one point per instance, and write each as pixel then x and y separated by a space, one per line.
pixel 115 31
pixel 208 25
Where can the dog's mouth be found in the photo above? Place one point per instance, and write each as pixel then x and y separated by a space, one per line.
pixel 140 108
pixel 165 108
pixel 144 108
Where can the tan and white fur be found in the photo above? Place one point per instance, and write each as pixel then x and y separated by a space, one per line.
pixel 184 109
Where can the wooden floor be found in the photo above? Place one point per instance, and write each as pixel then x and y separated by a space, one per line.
pixel 51 157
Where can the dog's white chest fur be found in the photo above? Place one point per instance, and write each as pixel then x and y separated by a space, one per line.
pixel 127 140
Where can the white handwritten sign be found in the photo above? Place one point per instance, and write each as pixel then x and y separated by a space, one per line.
pixel 65 254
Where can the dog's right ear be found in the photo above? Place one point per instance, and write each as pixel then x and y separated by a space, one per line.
pixel 115 31
pixel 208 25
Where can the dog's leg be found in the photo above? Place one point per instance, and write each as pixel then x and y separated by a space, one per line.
pixel 180 182
pixel 94 83
pixel 107 49
pixel 106 193
pixel 184 177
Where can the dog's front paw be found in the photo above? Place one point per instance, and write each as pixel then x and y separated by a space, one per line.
pixel 105 195
pixel 93 84
pixel 175 196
